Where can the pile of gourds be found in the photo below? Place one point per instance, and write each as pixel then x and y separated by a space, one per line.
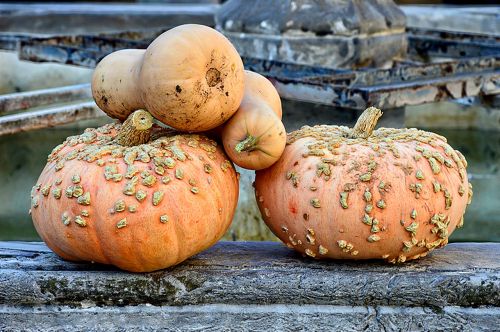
pixel 145 194
pixel 191 78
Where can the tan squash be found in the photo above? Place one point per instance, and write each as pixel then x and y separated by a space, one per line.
pixel 192 78
pixel 115 83
pixel 259 87
pixel 336 192
pixel 134 196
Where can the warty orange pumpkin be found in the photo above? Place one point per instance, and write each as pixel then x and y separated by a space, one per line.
pixel 255 137
pixel 134 195
pixel 192 78
pixel 115 83
pixel 336 192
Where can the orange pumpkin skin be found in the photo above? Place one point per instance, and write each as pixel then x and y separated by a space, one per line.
pixel 115 83
pixel 258 125
pixel 148 207
pixel 395 195
pixel 192 78
pixel 257 87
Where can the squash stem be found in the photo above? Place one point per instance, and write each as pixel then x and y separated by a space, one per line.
pixel 248 144
pixel 136 129
pixel 366 123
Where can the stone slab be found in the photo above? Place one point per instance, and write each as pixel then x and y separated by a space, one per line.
pixel 329 51
pixel 331 33
pixel 475 19
pixel 88 18
pixel 327 17
pixel 462 274
pixel 221 317
pixel 22 76
pixel 254 286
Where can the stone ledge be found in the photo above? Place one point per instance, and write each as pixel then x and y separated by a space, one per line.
pixel 475 19
pixel 462 274
pixel 333 33
pixel 334 17
pixel 328 51
pixel 92 18
pixel 252 285
pixel 219 317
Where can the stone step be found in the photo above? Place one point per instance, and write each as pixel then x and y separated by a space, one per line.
pixel 253 285
pixel 223 317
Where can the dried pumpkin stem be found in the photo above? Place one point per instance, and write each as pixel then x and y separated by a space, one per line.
pixel 248 144
pixel 366 123
pixel 136 129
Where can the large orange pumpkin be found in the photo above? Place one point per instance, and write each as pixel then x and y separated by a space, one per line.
pixel 192 78
pixel 255 137
pixel 393 194
pixel 113 195
pixel 115 83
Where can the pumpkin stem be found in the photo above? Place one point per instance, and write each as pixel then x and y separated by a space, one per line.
pixel 136 129
pixel 366 123
pixel 248 144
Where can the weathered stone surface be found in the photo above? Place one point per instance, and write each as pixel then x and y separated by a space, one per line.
pixel 81 18
pixel 255 272
pixel 252 286
pixel 20 76
pixel 327 17
pixel 275 317
pixel 331 33
pixel 455 115
pixel 477 19
pixel 326 51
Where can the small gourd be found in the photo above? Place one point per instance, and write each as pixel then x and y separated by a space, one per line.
pixel 254 138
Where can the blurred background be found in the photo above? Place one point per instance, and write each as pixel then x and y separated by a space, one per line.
pixel 428 64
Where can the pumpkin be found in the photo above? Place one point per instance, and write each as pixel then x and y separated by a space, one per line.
pixel 115 83
pixel 134 195
pixel 254 138
pixel 192 78
pixel 336 192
